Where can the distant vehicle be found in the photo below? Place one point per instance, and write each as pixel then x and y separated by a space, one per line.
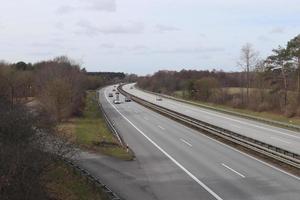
pixel 131 87
pixel 117 101
pixel 117 93
pixel 158 98
pixel 110 95
pixel 114 90
pixel 127 99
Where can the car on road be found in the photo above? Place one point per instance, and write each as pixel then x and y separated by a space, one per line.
pixel 117 101
pixel 127 99
pixel 110 95
pixel 158 98
pixel 131 87
pixel 114 90
pixel 117 93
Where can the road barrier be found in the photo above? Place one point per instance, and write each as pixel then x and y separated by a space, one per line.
pixel 93 180
pixel 267 121
pixel 279 154
pixel 110 123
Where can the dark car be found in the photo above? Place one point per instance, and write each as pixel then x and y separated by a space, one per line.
pixel 110 95
pixel 127 99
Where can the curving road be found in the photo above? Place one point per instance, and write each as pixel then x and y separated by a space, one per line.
pixel 283 138
pixel 176 162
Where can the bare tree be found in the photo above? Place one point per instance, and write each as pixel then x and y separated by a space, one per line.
pixel 248 61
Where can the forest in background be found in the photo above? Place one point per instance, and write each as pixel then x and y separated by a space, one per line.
pixel 271 84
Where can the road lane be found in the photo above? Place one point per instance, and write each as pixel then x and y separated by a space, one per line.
pixel 205 159
pixel 283 138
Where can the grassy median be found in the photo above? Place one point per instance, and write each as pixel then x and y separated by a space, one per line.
pixel 91 133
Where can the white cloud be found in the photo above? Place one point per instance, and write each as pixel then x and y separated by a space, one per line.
pixel 129 28
pixel 164 28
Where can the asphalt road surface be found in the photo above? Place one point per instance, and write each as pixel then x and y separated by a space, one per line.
pixel 280 137
pixel 176 162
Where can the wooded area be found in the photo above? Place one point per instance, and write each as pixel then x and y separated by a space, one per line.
pixel 31 143
pixel 270 84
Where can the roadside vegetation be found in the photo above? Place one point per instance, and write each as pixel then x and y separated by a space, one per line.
pixel 90 131
pixel 269 87
pixel 64 183
pixel 35 99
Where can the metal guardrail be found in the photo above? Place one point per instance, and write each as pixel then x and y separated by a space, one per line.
pixel 268 150
pixel 267 121
pixel 110 123
pixel 93 180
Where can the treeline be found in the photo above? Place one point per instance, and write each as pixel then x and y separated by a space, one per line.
pixel 271 84
pixel 59 85
pixel 31 143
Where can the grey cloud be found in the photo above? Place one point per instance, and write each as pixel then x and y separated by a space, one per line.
pixel 188 50
pixel 107 46
pixel 163 28
pixel 89 29
pixel 121 29
pixel 65 9
pixel 104 5
pixel 88 5
pixel 277 30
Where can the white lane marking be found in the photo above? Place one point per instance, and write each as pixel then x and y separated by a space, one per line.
pixel 182 140
pixel 235 126
pixel 136 111
pixel 249 156
pixel 275 138
pixel 162 128
pixel 145 118
pixel 233 170
pixel 169 156
pixel 241 122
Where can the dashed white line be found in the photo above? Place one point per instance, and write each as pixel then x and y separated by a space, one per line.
pixel 233 170
pixel 182 140
pixel 235 120
pixel 254 158
pixel 162 128
pixel 145 118
pixel 275 138
pixel 169 156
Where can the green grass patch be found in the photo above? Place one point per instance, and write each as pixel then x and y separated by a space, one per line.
pixel 264 115
pixel 63 183
pixel 91 132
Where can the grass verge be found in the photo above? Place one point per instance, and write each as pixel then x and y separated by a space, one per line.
pixel 64 184
pixel 91 133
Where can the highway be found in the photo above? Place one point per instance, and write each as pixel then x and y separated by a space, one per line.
pixel 280 137
pixel 176 162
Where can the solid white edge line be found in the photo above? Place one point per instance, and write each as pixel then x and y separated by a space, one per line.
pixel 278 139
pixel 166 154
pixel 162 128
pixel 233 170
pixel 182 140
pixel 196 109
pixel 252 157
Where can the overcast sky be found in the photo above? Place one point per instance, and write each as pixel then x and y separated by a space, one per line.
pixel 143 36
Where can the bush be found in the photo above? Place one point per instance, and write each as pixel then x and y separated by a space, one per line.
pixel 236 102
pixel 265 106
